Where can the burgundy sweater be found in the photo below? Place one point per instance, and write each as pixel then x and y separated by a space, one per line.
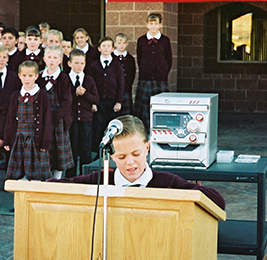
pixel 154 60
pixel 129 69
pixel 19 57
pixel 159 180
pixel 109 82
pixel 63 89
pixel 42 119
pixel 3 113
pixel 82 105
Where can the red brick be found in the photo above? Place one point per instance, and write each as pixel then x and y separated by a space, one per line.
pixel 235 95
pixel 193 51
pixel 199 84
pixel 184 62
pixel 254 95
pixel 224 84
pixel 246 84
pixel 151 7
pixel 113 30
pixel 126 18
pixel 192 29
pixel 111 6
pixel 192 73
pixel 112 18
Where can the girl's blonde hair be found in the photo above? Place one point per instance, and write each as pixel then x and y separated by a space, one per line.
pixel 54 48
pixel 83 31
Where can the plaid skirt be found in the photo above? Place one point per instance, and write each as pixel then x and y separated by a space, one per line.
pixel 127 104
pixel 145 90
pixel 26 159
pixel 60 151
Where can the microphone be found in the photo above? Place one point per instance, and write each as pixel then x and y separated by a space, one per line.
pixel 115 127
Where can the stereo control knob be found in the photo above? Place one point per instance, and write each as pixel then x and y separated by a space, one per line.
pixel 193 126
pixel 192 138
pixel 199 117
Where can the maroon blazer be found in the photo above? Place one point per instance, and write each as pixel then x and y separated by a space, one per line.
pixel 129 69
pixel 3 113
pixel 10 65
pixel 42 118
pixel 109 81
pixel 159 180
pixel 63 89
pixel 12 83
pixel 21 56
pixel 82 105
pixel 154 60
pixel 90 56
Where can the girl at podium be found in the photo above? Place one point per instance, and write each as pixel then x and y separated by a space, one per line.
pixel 131 149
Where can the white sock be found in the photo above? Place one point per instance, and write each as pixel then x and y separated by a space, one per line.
pixel 57 174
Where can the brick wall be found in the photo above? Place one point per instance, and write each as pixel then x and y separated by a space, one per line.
pixel 9 13
pixel 65 16
pixel 241 87
pixel 130 18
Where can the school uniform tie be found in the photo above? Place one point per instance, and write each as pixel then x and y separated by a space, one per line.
pixel 50 79
pixel 32 57
pixel 27 97
pixel 1 83
pixel 153 40
pixel 77 83
pixel 106 63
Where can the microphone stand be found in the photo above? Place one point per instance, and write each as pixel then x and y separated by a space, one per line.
pixel 108 149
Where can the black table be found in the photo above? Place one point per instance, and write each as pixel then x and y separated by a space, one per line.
pixel 235 236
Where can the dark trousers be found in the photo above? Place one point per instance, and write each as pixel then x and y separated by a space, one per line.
pixel 81 145
pixel 101 118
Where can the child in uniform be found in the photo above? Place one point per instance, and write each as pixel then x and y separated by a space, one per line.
pixel 82 41
pixel 109 78
pixel 128 65
pixel 44 27
pixel 33 51
pixel 131 149
pixel 28 128
pixel 154 58
pixel 10 39
pixel 58 87
pixel 55 37
pixel 66 46
pixel 9 82
pixel 21 42
pixel 84 94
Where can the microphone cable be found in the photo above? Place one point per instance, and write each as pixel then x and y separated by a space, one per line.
pixel 96 202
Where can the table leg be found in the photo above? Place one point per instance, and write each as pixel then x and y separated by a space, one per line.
pixel 261 215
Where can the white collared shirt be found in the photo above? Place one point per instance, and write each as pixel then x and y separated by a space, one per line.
pixel 49 85
pixel 4 70
pixel 116 52
pixel 149 36
pixel 32 92
pixel 12 52
pixel 73 75
pixel 102 59
pixel 143 180
pixel 28 52
pixel 84 49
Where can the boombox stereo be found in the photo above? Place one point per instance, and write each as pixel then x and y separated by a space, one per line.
pixel 183 129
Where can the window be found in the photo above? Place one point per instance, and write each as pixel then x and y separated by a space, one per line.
pixel 243 33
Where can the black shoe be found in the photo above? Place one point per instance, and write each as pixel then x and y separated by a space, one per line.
pixel 3 166
pixel 12 209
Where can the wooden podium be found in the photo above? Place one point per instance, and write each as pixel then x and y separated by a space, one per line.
pixel 54 221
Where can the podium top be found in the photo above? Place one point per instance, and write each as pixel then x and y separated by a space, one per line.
pixel 195 196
